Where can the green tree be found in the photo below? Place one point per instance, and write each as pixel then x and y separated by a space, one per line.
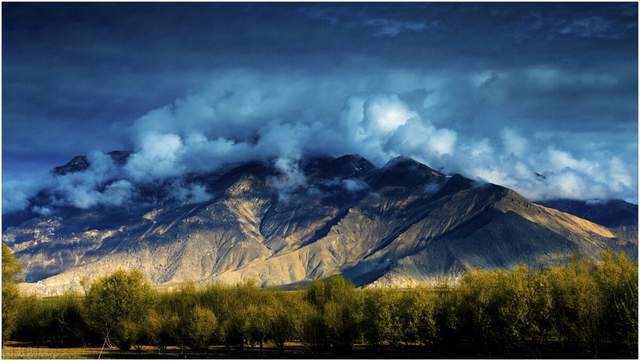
pixel 617 279
pixel 339 306
pixel 68 323
pixel 315 331
pixel 200 327
pixel 427 331
pixel 377 318
pixel 342 320
pixel 289 315
pixel 577 306
pixel 10 296
pixel 161 328
pixel 236 328
pixel 116 304
pixel 260 319
pixel 409 307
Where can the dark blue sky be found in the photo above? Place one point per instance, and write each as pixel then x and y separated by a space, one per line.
pixel 505 89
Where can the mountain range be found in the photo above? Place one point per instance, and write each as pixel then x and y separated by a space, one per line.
pixel 401 224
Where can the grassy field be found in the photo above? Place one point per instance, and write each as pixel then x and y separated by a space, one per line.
pixel 292 350
pixel 26 352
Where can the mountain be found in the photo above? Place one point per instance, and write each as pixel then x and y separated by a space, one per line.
pixel 619 216
pixel 80 163
pixel 610 213
pixel 398 225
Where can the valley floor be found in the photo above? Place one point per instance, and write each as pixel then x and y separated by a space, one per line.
pixel 292 351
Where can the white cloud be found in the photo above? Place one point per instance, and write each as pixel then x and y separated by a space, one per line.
pixel 157 157
pixel 191 193
pixel 514 143
pixel 354 185
pixel 291 179
pixel 386 113
pixel 244 116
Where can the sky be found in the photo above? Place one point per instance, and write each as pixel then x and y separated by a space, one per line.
pixel 539 97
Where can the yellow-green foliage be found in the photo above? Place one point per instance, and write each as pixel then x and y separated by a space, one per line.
pixel 10 271
pixel 585 308
pixel 117 304
pixel 57 321
pixel 199 328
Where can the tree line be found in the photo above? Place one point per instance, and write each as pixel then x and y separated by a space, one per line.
pixel 584 308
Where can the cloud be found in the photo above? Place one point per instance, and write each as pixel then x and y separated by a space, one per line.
pixel 514 143
pixel 438 59
pixel 97 185
pixel 157 157
pixel 594 25
pixel 244 115
pixel 378 126
pixel 292 178
pixel 382 25
pixel 190 193
pixel 354 185
pixel 43 211
pixel 84 189
pixel 16 194
pixel 117 193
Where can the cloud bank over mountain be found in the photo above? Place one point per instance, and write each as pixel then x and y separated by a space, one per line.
pixel 544 103
pixel 244 115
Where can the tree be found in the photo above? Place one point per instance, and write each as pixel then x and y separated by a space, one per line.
pixel 617 279
pixel 259 318
pixel 409 315
pixel 116 303
pixel 200 327
pixel 236 330
pixel 161 328
pixel 577 306
pixel 289 316
pixel 68 325
pixel 342 320
pixel 334 288
pixel 377 318
pixel 10 296
pixel 339 306
pixel 427 325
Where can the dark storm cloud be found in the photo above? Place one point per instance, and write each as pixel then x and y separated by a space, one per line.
pixel 473 77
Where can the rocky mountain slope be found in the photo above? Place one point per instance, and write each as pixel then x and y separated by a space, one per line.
pixel 619 216
pixel 398 225
pixel 610 213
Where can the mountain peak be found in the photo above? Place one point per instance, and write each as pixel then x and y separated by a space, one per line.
pixel 120 156
pixel 80 163
pixel 345 166
pixel 404 172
